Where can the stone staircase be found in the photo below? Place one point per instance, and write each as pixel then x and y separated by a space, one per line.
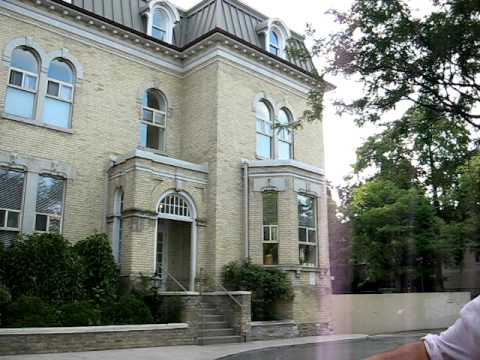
pixel 214 328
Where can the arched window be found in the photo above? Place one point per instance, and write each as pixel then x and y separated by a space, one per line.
pixel 22 83
pixel 285 136
pixel 57 109
pixel 174 206
pixel 264 130
pixel 154 120
pixel 117 225
pixel 160 24
pixel 274 43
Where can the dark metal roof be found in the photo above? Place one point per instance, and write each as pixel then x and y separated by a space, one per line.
pixel 231 16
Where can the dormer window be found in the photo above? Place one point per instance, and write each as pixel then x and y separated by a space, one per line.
pixel 275 35
pixel 160 24
pixel 274 43
pixel 161 19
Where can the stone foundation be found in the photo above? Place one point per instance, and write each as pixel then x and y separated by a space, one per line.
pixel 54 340
pixel 269 330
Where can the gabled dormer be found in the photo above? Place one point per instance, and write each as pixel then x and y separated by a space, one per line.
pixel 160 19
pixel 274 35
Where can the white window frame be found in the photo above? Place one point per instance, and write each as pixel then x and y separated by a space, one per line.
pixel 307 229
pixel 4 226
pixel 157 27
pixel 271 121
pixel 49 218
pixel 24 73
pixel 278 138
pixel 54 216
pixel 172 14
pixel 277 47
pixel 155 124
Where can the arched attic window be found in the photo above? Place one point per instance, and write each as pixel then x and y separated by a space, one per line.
pixel 161 19
pixel 275 35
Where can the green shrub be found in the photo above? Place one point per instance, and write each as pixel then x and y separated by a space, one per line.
pixel 101 280
pixel 80 313
pixel 128 310
pixel 45 266
pixel 164 309
pixel 268 287
pixel 30 311
pixel 5 299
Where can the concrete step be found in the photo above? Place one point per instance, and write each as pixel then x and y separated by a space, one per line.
pixel 220 340
pixel 213 317
pixel 217 332
pixel 215 325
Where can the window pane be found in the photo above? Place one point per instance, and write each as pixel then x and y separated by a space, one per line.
pixel 143 135
pixel 284 150
pixel 30 83
pixel 41 223
pixel 263 111
pixel 264 146
pixel 306 211
pixel 53 88
pixel 270 208
pixel 283 117
pixel 312 236
pixel 160 119
pixel 54 226
pixel 159 34
pixel 154 137
pixel 61 71
pixel 154 100
pixel 12 221
pixel 19 102
pixel 57 113
pixel 67 93
pixel 50 195
pixel 160 19
pixel 307 256
pixel 274 39
pixel 274 50
pixel 266 233
pixel 2 218
pixel 16 78
pixel 302 234
pixel 148 115
pixel 11 189
pixel 25 60
pixel 270 254
pixel 274 233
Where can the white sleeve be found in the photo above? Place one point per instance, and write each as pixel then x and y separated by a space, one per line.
pixel 461 341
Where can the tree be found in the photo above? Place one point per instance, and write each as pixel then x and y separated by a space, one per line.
pixel 422 148
pixel 432 61
pixel 394 234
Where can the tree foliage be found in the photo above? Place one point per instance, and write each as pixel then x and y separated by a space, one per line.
pixel 431 60
pixel 395 233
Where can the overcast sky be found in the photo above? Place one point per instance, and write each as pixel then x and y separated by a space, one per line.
pixel 342 137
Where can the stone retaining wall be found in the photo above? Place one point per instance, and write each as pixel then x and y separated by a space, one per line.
pixel 267 330
pixel 49 340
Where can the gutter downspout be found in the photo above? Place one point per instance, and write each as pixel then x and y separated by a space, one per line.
pixel 245 209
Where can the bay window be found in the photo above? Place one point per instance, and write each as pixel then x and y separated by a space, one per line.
pixel 307 231
pixel 270 228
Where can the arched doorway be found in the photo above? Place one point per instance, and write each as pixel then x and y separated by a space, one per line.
pixel 176 240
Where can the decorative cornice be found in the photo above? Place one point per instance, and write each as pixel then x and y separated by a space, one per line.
pixel 95 23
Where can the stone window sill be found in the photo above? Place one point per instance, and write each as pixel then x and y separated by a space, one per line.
pixel 36 123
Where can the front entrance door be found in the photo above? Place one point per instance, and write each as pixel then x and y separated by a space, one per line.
pixel 161 258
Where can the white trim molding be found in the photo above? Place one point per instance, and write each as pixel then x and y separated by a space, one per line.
pixel 284 163
pixel 165 160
